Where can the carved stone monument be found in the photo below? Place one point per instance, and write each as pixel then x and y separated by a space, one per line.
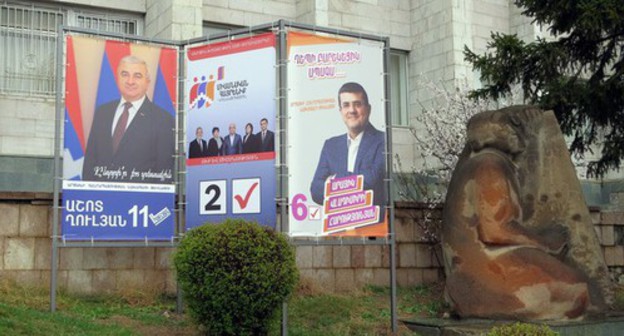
pixel 517 238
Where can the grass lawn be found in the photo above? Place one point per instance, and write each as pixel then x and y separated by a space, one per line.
pixel 26 312
pixel 363 313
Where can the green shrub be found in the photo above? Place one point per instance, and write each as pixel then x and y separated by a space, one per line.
pixel 235 275
pixel 618 304
pixel 522 329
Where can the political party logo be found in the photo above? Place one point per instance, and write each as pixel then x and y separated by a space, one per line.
pixel 233 90
pixel 203 91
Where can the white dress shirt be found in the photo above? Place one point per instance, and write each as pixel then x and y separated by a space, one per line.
pixel 354 145
pixel 136 105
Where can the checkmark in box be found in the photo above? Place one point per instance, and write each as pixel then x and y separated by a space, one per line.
pixel 314 212
pixel 246 196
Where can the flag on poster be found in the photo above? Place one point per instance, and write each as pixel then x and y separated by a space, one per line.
pixel 119 140
pixel 336 138
pixel 230 129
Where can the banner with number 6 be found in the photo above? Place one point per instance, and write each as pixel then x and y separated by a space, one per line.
pixel 336 139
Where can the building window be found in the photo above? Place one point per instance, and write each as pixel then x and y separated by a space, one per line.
pixel 104 22
pixel 211 28
pixel 28 36
pixel 398 87
pixel 28 48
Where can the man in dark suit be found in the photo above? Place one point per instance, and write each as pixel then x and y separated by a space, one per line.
pixel 131 139
pixel 233 143
pixel 358 152
pixel 266 138
pixel 198 147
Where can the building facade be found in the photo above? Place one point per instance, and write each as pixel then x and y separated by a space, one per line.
pixel 427 38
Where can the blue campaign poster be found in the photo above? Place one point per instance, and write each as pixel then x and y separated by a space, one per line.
pixel 117 211
pixel 230 144
pixel 119 140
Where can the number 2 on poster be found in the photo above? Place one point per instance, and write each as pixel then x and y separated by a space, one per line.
pixel 212 200
pixel 215 191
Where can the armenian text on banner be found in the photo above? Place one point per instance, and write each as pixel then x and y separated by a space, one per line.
pixel 336 139
pixel 119 140
pixel 230 129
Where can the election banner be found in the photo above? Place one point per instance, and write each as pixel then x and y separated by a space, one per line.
pixel 336 137
pixel 230 131
pixel 119 140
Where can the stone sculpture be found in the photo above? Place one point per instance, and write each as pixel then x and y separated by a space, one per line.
pixel 517 238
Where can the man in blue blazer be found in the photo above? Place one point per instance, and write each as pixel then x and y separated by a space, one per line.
pixel 232 143
pixel 358 152
pixel 131 139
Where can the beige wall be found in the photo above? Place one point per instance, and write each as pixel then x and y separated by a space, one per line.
pixel 27 126
pixel 25 247
pixel 25 250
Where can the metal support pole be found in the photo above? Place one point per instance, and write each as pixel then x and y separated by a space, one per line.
pixel 282 59
pixel 335 31
pixel 60 41
pixel 181 163
pixel 393 287
pixel 390 189
pixel 58 173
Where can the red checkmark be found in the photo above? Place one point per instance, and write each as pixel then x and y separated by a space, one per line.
pixel 313 213
pixel 242 201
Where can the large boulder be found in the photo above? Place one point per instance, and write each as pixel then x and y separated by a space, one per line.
pixel 517 238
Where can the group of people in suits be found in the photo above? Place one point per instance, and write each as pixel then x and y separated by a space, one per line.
pixel 233 143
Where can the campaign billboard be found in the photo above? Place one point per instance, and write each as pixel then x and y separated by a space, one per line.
pixel 119 140
pixel 336 136
pixel 230 131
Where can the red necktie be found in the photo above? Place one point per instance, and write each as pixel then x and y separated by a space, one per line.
pixel 120 128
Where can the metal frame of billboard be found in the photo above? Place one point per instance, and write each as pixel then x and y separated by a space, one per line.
pixel 283 197
pixel 57 240
pixel 282 28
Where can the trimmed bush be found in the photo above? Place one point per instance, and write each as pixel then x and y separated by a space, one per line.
pixel 618 304
pixel 522 329
pixel 235 275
